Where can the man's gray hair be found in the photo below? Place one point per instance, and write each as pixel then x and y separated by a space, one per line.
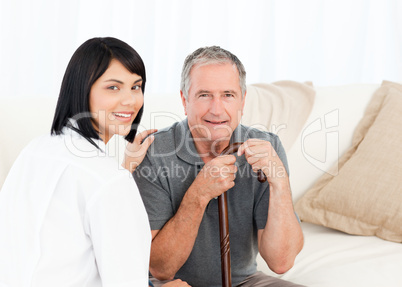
pixel 206 56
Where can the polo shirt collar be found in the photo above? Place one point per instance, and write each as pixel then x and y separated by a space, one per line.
pixel 184 143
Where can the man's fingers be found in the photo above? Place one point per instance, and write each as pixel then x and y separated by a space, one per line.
pixel 254 147
pixel 223 166
pixel 253 159
pixel 242 148
pixel 228 170
pixel 227 159
pixel 246 146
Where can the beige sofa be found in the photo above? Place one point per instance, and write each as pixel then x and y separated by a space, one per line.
pixel 316 125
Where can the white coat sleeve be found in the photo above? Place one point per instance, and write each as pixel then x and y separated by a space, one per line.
pixel 117 223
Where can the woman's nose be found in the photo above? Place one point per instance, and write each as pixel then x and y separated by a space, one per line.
pixel 128 98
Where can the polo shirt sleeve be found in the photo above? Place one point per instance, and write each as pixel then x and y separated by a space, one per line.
pixel 157 200
pixel 277 145
pixel 117 223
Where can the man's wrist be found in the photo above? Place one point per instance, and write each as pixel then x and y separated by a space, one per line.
pixel 195 197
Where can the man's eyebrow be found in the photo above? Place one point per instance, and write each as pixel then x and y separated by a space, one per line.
pixel 207 91
pixel 203 92
pixel 230 92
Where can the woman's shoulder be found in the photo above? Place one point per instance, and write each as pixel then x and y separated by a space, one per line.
pixel 75 153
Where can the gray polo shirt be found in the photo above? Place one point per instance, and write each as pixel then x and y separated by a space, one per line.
pixel 168 170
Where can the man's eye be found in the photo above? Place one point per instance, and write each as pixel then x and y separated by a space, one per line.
pixel 203 95
pixel 229 95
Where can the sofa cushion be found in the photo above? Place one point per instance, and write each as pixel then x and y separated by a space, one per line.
pixel 281 107
pixel 364 195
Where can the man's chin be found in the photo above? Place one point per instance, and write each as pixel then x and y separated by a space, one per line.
pixel 220 137
pixel 215 135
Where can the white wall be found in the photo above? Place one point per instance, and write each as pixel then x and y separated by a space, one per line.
pixel 325 41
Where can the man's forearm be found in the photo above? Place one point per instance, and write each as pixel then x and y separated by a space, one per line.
pixel 173 244
pixel 282 238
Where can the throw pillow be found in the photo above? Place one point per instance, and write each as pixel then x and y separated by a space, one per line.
pixel 281 107
pixel 365 197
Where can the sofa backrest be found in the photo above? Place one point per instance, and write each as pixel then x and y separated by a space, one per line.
pixel 21 120
pixel 326 134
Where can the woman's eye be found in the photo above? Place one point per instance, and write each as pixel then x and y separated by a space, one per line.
pixel 136 87
pixel 113 88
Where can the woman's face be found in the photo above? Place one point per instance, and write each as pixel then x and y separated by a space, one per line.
pixel 114 101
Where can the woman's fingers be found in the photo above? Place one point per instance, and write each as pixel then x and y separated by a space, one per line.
pixel 139 138
pixel 136 151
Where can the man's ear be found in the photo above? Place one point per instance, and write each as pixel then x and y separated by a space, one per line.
pixel 183 101
pixel 243 102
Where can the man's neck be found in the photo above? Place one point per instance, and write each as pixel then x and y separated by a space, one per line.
pixel 208 150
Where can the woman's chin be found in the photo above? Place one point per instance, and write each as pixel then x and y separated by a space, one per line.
pixel 122 130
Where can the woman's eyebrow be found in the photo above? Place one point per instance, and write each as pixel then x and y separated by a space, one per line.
pixel 139 80
pixel 114 80
pixel 120 82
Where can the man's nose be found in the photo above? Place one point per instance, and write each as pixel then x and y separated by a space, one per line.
pixel 217 106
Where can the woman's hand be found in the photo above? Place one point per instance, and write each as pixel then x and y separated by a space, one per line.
pixel 136 151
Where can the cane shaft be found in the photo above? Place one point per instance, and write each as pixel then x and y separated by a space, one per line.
pixel 225 243
pixel 224 224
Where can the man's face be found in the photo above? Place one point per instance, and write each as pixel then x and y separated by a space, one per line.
pixel 214 105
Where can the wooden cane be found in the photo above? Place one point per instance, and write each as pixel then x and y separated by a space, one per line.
pixel 224 223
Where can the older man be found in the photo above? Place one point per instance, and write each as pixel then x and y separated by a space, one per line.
pixel 183 173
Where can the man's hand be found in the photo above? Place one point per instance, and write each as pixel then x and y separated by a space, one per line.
pixel 216 177
pixel 176 283
pixel 136 151
pixel 261 155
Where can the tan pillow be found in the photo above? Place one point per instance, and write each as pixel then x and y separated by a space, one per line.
pixel 365 198
pixel 281 107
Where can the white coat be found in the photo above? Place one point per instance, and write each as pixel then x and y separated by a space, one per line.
pixel 70 216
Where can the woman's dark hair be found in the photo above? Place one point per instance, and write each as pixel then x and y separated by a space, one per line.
pixel 88 63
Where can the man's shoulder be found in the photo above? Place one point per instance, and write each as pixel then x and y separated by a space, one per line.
pixel 166 133
pixel 165 140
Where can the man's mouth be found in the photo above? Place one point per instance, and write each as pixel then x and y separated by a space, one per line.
pixel 216 122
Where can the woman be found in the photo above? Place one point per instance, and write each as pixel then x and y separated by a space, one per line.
pixel 68 216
